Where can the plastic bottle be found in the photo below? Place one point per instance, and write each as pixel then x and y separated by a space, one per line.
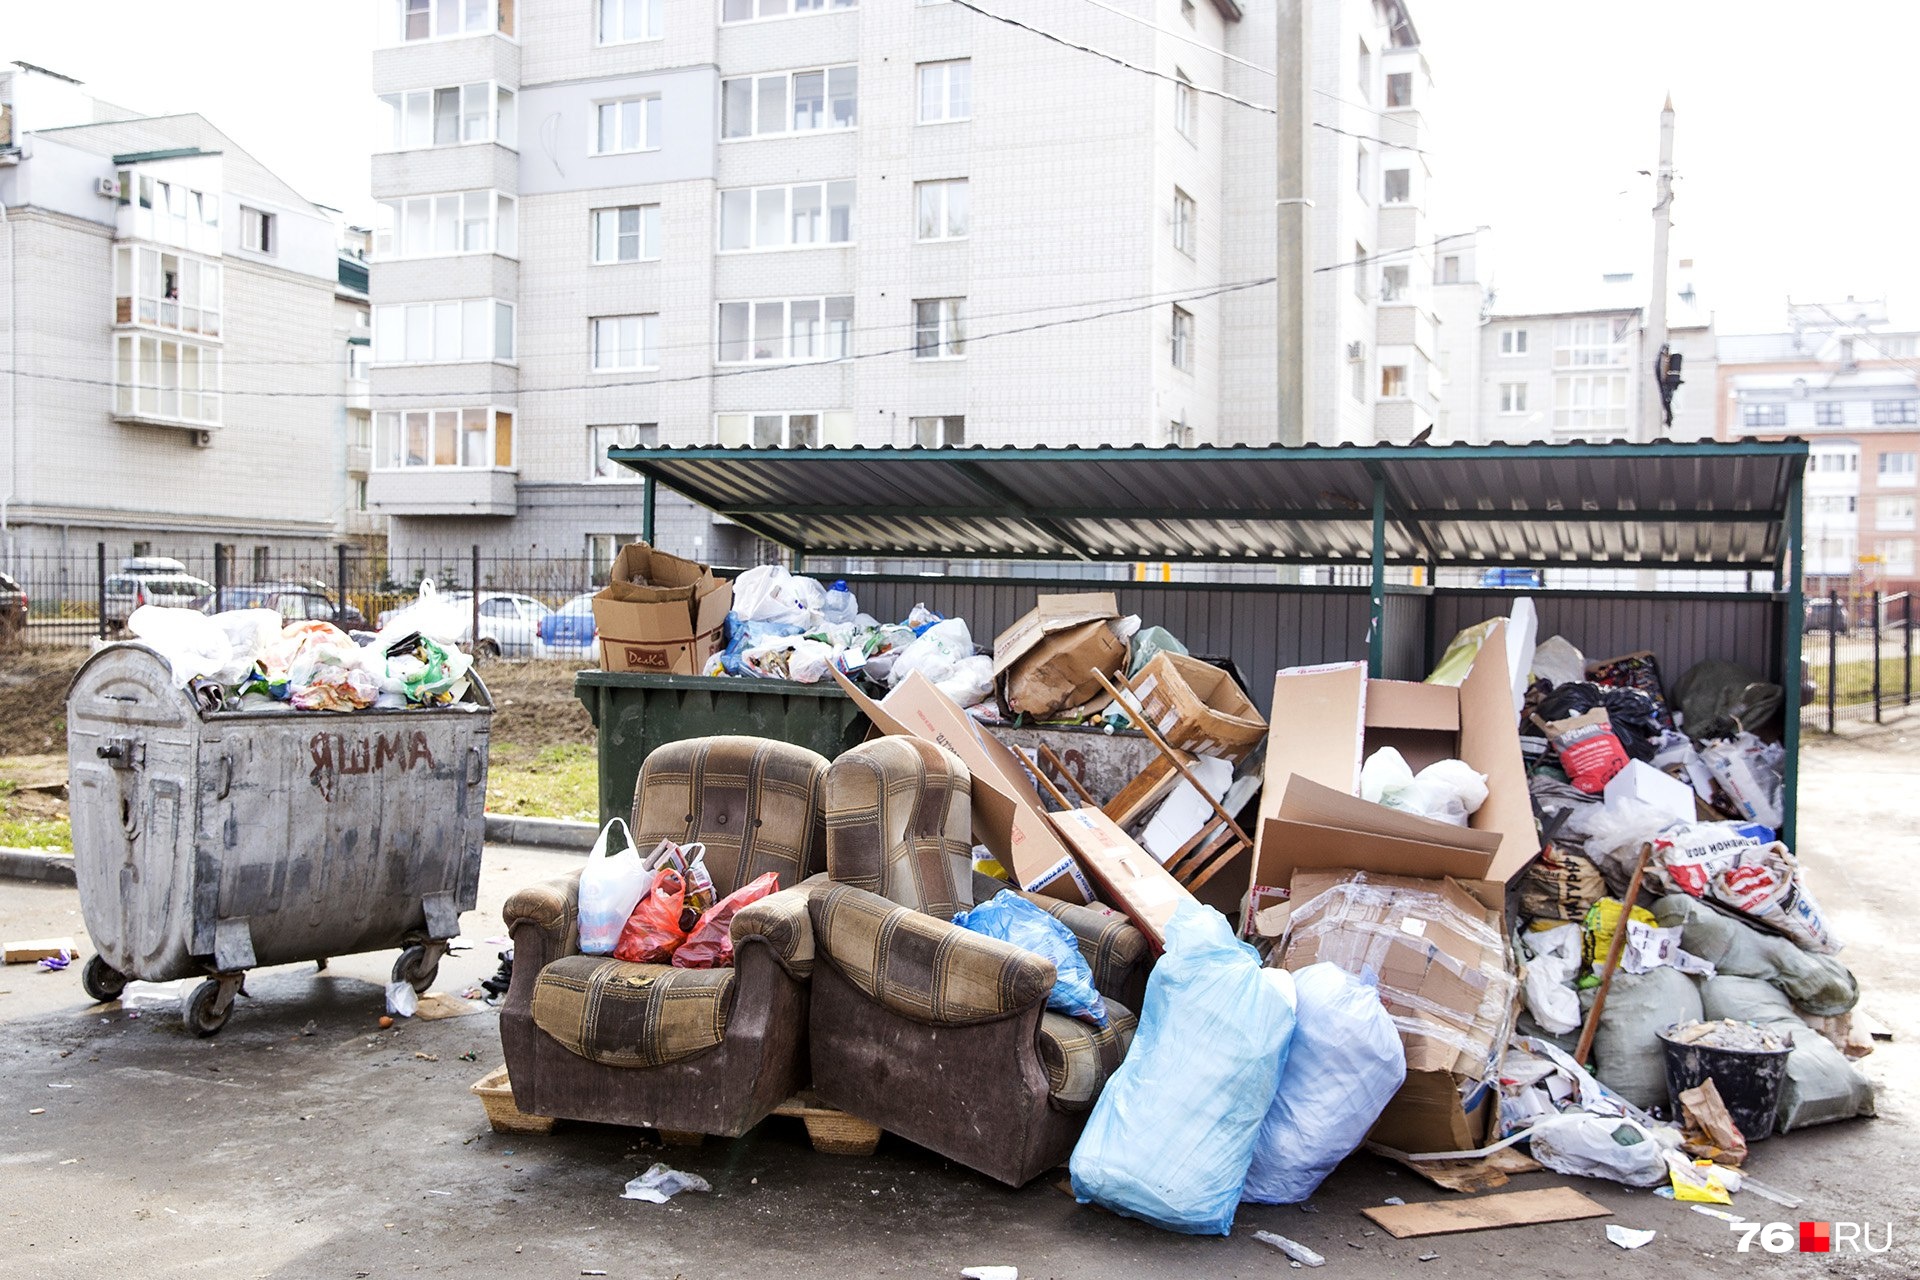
pixel 841 607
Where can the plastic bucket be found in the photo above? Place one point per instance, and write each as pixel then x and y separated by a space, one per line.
pixel 1749 1080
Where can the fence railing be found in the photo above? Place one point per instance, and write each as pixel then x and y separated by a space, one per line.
pixel 1857 659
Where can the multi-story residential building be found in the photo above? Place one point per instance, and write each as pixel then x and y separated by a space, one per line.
pixel 798 223
pixel 171 357
pixel 353 334
pixel 1843 380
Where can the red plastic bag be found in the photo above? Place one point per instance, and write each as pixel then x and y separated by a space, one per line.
pixel 710 944
pixel 653 932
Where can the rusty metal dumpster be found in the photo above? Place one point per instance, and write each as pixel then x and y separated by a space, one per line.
pixel 215 842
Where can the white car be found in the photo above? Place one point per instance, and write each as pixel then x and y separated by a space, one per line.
pixel 509 623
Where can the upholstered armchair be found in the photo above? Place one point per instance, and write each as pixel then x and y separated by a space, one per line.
pixel 932 1032
pixel 589 1037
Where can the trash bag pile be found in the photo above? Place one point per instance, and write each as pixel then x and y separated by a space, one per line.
pixel 660 909
pixel 250 659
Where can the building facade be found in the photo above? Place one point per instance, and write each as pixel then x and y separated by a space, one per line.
pixel 1840 378
pixel 804 223
pixel 168 317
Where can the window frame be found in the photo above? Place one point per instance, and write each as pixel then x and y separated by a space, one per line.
pixel 820 9
pixel 1513 399
pixel 1764 415
pixel 1186 216
pixel 1899 476
pixel 1181 338
pixel 1400 391
pixel 1186 107
pixel 1901 524
pixel 651 125
pixel 753 194
pixel 1577 349
pixel 944 187
pixel 493 10
pixel 939 432
pixel 647 343
pixel 397 421
pixel 135 350
pixel 387 314
pixel 597 452
pixel 648 233
pixel 1387 196
pixel 1620 405
pixel 1830 413
pixel 500 103
pixel 945 66
pixel 787 416
pixel 653 17
pixel 948 328
pixel 791 102
pixel 1396 282
pixel 1513 342
pixel 266 221
pixel 1888 412
pixel 786 305
pixel 1407 103
pixel 140 296
pixel 498 203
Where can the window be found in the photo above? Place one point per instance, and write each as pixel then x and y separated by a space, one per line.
pixel 440 225
pixel 1894 412
pixel 1830 504
pixel 1393 283
pixel 257 231
pixel 165 290
pixel 1360 172
pixel 786 217
pixel 410 20
pixel 1400 89
pixel 1396 186
pixel 1597 342
pixel 1893 513
pixel 1450 269
pixel 1186 107
pixel 624 21
pixel 946 91
pixel 1357 377
pixel 1830 413
pixel 942 209
pixel 1183 222
pixel 359 495
pixel 756 10
pixel 632 435
pixel 1836 460
pixel 790 102
pixel 1763 415
pixel 472 437
pixel 1366 71
pixel 452 116
pixel 786 329
pixel 1896 557
pixel 932 433
pixel 1513 342
pixel 1591 403
pixel 157 378
pixel 939 328
pixel 627 124
pixel 601 550
pixel 629 233
pixel 1513 397
pixel 1896 468
pixel 1360 272
pixel 625 342
pixel 443 332
pixel 1393 381
pixel 770 430
pixel 1180 344
pixel 358 359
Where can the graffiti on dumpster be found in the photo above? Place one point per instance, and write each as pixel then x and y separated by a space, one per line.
pixel 335 754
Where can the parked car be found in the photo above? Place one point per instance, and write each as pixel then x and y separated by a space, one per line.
pixel 13 609
pixel 151 580
pixel 568 632
pixel 1828 614
pixel 509 623
pixel 1512 579
pixel 294 602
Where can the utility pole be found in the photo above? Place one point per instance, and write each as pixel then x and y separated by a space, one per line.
pixel 1293 279
pixel 1647 376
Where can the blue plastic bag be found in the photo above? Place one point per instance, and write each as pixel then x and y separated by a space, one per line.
pixel 743 635
pixel 1170 1139
pixel 1343 1068
pixel 1011 918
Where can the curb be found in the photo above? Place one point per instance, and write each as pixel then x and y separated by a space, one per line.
pixel 37 864
pixel 541 833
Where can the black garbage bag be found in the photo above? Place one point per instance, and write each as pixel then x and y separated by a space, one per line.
pixel 1633 714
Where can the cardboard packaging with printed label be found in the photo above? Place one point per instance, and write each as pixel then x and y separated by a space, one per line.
pixel 659 613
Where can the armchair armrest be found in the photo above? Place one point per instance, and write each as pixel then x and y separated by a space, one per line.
pixel 780 922
pixel 1109 942
pixel 547 916
pixel 921 967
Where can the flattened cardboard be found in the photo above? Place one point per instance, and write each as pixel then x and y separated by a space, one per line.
pixel 1128 876
pixel 1508 1209
pixel 1049 615
pixel 1007 815
pixel 1318 828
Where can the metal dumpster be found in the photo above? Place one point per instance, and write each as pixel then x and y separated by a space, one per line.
pixel 215 842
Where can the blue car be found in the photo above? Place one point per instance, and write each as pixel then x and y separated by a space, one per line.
pixel 568 631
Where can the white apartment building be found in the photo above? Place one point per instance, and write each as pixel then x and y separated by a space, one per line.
pixel 167 317
pixel 802 223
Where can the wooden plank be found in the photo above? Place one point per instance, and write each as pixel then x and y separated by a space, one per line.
pixel 1148 789
pixel 1510 1209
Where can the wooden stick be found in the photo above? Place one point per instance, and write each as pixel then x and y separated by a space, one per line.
pixel 1045 781
pixel 1066 775
pixel 1614 949
pixel 1153 735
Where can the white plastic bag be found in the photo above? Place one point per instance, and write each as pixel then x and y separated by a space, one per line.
pixel 971 681
pixel 1344 1064
pixel 1384 773
pixel 444 621
pixel 935 653
pixel 611 885
pixel 1553 962
pixel 1446 790
pixel 810 661
pixel 1556 661
pixel 1593 1146
pixel 767 593
pixel 188 639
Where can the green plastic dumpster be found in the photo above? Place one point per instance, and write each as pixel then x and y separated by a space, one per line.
pixel 636 712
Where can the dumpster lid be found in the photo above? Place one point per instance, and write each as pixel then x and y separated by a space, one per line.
pixel 1708 504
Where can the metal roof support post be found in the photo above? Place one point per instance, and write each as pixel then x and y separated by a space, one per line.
pixel 1792 573
pixel 1377 604
pixel 646 511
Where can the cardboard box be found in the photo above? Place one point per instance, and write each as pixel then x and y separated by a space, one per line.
pixel 36 949
pixel 1045 662
pixel 1007 814
pixel 1197 707
pixel 659 613
pixel 1328 719
pixel 1128 876
pixel 1445 976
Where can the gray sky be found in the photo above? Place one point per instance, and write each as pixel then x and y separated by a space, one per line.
pixel 1792 148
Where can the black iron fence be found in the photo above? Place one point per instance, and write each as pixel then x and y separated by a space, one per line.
pixel 1857 659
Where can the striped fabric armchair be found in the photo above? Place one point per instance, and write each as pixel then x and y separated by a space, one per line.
pixel 930 1031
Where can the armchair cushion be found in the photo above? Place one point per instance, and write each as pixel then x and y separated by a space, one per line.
pixel 900 822
pixel 780 920
pixel 929 970
pixel 1109 942
pixel 632 1015
pixel 755 804
pixel 1079 1057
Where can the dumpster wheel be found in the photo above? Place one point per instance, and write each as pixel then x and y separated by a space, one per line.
pixel 207 1008
pixel 101 980
pixel 419 965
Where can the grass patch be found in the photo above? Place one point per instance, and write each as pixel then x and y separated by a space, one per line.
pixel 36 833
pixel 561 780
pixel 1853 681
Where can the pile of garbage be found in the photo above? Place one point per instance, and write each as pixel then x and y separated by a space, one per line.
pixel 252 659
pixel 660 909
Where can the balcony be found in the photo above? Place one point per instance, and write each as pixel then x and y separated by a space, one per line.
pixel 1405 324
pixel 359 460
pixel 364 524
pixel 444 491
pixel 1404 226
